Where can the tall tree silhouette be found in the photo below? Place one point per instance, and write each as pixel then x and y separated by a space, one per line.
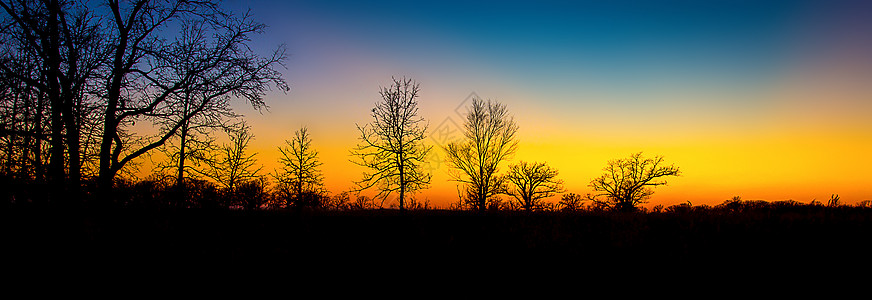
pixel 529 183
pixel 54 49
pixel 489 139
pixel 300 178
pixel 150 68
pixel 391 146
pixel 628 182
pixel 115 64
pixel 23 111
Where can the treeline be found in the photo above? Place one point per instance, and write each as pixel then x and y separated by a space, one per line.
pixel 737 205
pixel 88 88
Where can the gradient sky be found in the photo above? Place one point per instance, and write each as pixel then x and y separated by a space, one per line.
pixel 768 100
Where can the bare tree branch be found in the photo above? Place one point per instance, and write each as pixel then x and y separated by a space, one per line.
pixel 391 146
pixel 628 182
pixel 232 165
pixel 531 182
pixel 490 139
pixel 300 178
pixel 172 82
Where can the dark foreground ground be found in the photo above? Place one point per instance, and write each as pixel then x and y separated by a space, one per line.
pixel 130 239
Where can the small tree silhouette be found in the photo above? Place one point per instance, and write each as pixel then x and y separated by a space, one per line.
pixel 392 145
pixel 571 202
pixel 531 182
pixel 300 179
pixel 362 202
pixel 340 201
pixel 628 182
pixel 489 139
pixel 232 166
pixel 193 140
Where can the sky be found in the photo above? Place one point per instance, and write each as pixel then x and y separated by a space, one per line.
pixel 766 100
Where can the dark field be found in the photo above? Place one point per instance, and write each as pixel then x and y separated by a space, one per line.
pixel 795 235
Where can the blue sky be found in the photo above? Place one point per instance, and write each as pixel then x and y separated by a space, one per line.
pixel 684 78
pixel 605 45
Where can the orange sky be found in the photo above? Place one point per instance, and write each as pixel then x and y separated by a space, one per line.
pixel 766 100
pixel 796 149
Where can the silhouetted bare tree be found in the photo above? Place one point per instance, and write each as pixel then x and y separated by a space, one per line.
pixel 531 182
pixel 300 179
pixel 86 71
pixel 391 146
pixel 193 141
pixel 232 165
pixel 571 202
pixel 489 139
pixel 340 201
pixel 150 71
pixel 52 50
pixel 628 182
pixel 362 202
pixel 23 112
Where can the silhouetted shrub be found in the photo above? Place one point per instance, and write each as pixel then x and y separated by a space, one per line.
pixel 340 201
pixel 679 208
pixel 249 194
pixel 362 202
pixel 415 204
pixel 571 202
pixel 202 194
pixel 22 191
pixel 732 205
pixel 148 193
pixel 751 205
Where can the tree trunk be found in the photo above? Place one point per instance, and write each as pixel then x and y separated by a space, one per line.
pixel 26 165
pixel 106 173
pixel 71 116
pixel 10 152
pixel 402 179
pixel 298 189
pixel 180 175
pixel 38 168
pixel 482 201
pixel 73 145
pixel 625 206
pixel 52 60
pixel 75 165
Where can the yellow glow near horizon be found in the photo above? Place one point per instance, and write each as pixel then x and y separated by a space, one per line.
pixel 792 148
pixel 771 106
pixel 773 163
pixel 802 136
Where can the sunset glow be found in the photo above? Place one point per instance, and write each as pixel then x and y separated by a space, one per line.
pixel 765 100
